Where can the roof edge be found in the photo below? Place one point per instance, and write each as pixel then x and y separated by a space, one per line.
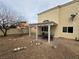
pixel 59 6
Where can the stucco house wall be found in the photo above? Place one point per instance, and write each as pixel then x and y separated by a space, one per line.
pixel 51 15
pixel 65 21
pixel 61 16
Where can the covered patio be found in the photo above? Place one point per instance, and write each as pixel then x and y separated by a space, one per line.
pixel 43 25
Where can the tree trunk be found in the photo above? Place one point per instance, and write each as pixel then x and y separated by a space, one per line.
pixel 5 33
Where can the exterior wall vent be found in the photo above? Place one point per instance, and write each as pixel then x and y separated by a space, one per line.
pixel 73 16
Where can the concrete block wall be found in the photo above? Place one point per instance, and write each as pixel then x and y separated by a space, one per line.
pixel 15 31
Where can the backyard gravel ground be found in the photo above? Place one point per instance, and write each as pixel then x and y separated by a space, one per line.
pixel 58 49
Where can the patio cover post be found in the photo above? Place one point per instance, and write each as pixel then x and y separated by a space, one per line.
pixel 49 33
pixel 29 31
pixel 36 32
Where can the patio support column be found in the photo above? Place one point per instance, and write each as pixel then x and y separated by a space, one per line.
pixel 36 32
pixel 29 31
pixel 49 34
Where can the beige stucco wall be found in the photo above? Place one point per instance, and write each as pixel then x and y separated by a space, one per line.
pixel 61 16
pixel 51 15
pixel 33 30
pixel 64 20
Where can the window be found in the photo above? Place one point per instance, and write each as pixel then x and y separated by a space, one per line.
pixel 64 29
pixel 70 29
pixel 45 28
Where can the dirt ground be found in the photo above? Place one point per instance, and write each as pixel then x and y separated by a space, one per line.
pixel 64 49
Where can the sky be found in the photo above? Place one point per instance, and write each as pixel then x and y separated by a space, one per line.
pixel 30 8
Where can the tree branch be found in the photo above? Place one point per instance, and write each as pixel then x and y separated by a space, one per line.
pixel 2 30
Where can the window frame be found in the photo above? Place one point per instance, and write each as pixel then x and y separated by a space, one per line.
pixel 66 29
pixel 69 29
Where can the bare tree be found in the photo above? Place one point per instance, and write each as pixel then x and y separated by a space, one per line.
pixel 7 19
